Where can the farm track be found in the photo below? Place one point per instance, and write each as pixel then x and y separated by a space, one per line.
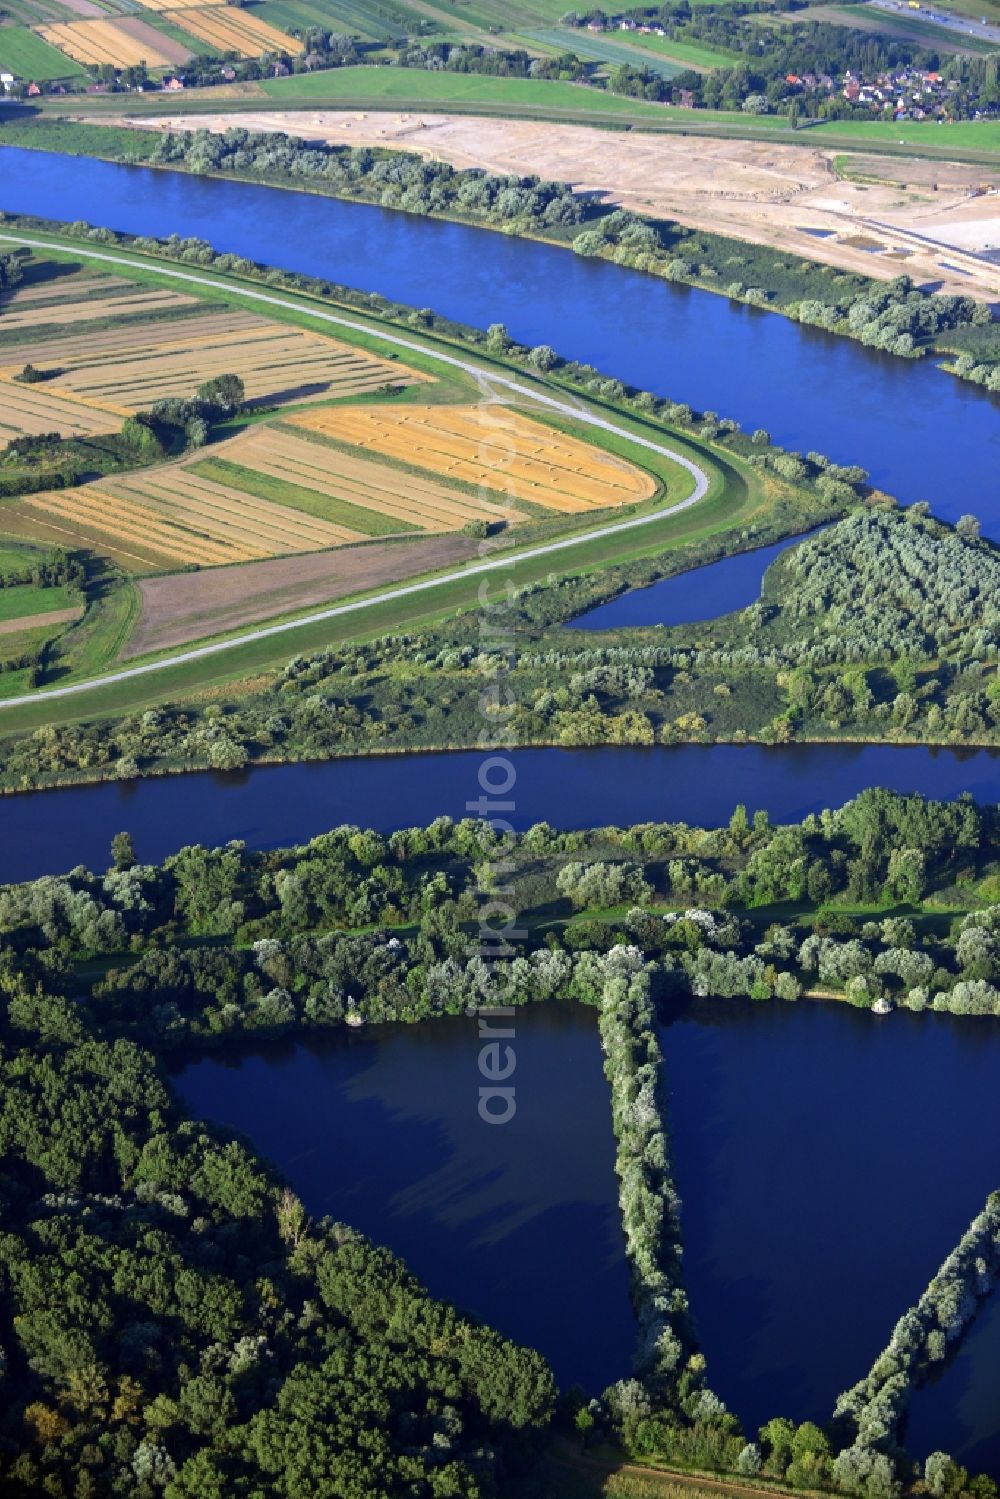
pixel 485 376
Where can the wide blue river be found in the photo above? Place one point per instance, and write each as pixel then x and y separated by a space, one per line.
pixel 921 433
pixel 827 1163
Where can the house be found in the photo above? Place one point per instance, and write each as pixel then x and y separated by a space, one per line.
pixel 7 82
pixel 173 85
pixel 33 91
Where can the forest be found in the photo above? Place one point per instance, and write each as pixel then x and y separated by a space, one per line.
pixel 174 1322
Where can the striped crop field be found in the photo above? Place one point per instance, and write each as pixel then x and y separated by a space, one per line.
pixel 361 489
pixel 30 410
pixel 277 364
pixel 232 30
pixel 492 447
pixel 167 516
pixel 123 44
pixel 28 312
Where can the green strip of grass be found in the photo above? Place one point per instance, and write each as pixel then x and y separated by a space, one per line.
pixel 297 497
pixel 20 602
pixel 27 55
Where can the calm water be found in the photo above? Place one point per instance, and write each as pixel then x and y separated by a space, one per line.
pixel 46 832
pixel 922 434
pixel 798 1266
pixel 516 1222
pixel 959 1413
pixel 703 593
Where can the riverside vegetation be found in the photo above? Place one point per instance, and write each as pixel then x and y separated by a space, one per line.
pixel 173 1322
pixel 882 627
pixel 892 316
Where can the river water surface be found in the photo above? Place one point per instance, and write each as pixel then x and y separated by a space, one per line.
pixel 921 433
pixel 827 1162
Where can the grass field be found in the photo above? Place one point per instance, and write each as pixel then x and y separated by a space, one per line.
pixel 26 600
pixel 29 56
pixel 978 135
pixel 493 448
pixel 660 54
pixel 404 86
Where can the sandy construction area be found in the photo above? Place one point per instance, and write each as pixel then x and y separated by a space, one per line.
pixel 927 218
pixel 188 606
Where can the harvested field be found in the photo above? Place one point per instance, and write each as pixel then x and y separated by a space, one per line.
pixel 109 41
pixel 187 606
pixel 277 363
pixel 32 314
pixel 165 516
pixel 61 287
pixel 30 410
pixel 232 30
pixel 50 349
pixel 357 481
pixel 502 452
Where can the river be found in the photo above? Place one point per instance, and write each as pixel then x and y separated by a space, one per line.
pixel 921 433
pixel 276 805
pixel 798 1261
pixel 800 1255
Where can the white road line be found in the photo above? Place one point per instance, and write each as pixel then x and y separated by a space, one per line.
pixel 508 560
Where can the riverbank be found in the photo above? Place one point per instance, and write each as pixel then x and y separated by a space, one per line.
pixel 810 201
pixel 704 256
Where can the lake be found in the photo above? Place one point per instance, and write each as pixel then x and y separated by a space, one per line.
pixel 798 1264
pixel 921 433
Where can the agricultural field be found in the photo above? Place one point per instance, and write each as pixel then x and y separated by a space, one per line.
pixel 227 28
pixel 124 42
pixel 278 364
pixel 972 135
pixel 660 54
pixel 29 56
pixel 30 410
pixel 501 453
pixel 415 87
pixel 165 517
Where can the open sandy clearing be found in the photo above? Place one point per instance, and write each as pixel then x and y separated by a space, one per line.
pixel 766 192
pixel 494 448
pixel 189 606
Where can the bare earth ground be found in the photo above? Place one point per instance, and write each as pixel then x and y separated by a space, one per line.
pixel 188 606
pixel 34 621
pixel 930 219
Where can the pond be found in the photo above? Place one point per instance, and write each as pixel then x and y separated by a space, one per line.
pixel 827 1162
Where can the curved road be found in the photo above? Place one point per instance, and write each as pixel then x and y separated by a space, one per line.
pixel 468 367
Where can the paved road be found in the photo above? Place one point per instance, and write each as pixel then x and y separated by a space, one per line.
pixel 964 25
pixel 469 367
